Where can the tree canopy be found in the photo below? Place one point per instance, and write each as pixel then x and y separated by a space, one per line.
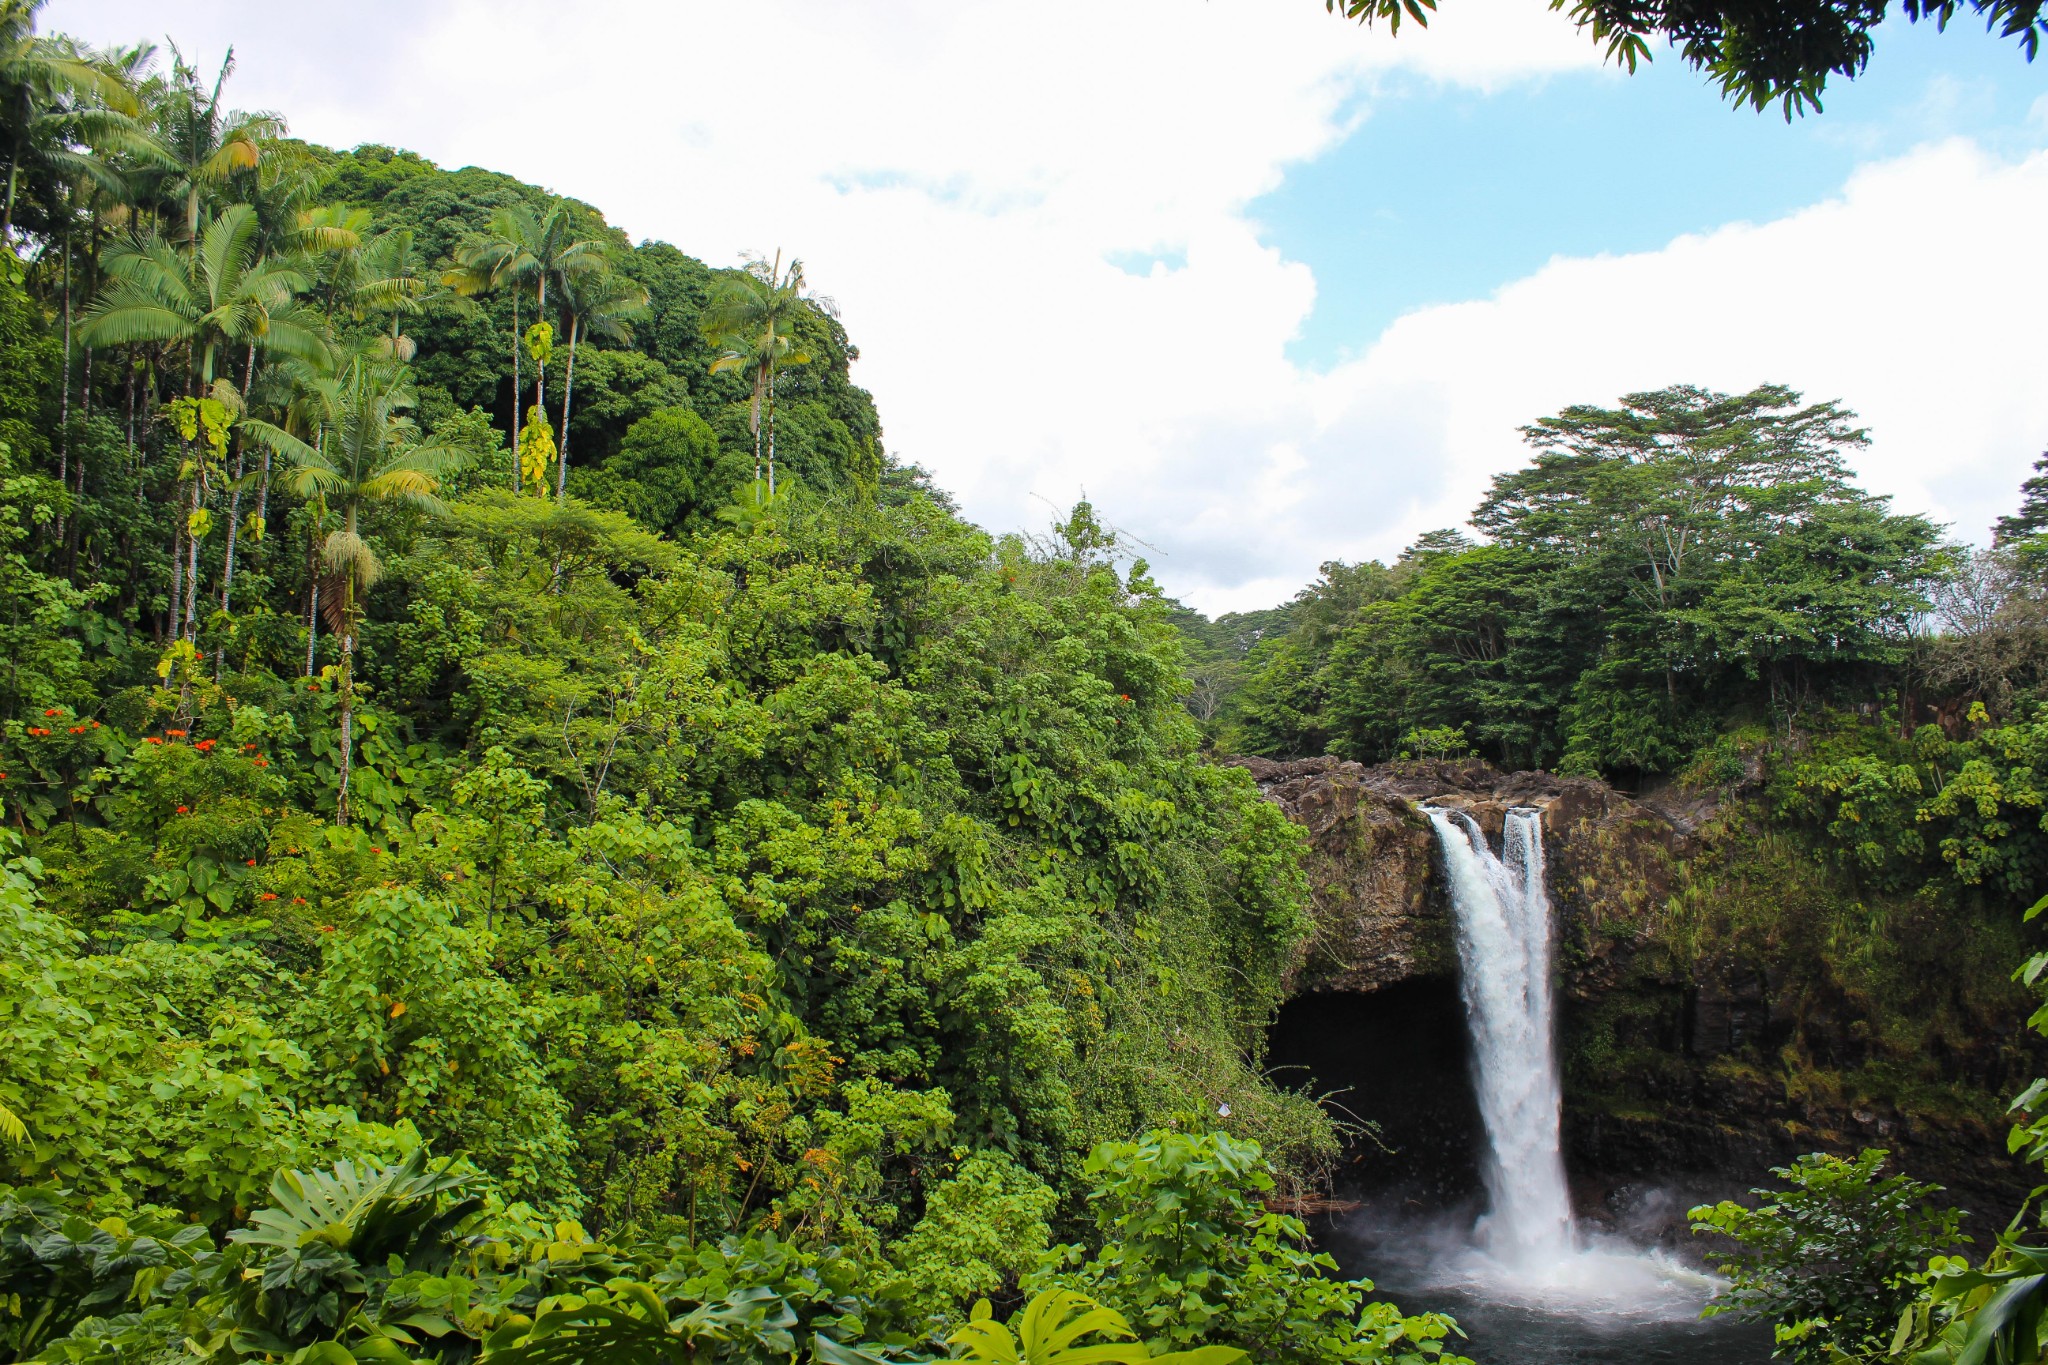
pixel 1760 52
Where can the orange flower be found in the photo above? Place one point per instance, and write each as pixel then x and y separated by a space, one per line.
pixel 151 739
pixel 252 862
pixel 375 849
pixel 325 928
pixel 177 734
pixel 184 810
pixel 261 763
pixel 268 896
pixel 53 711
pixel 205 745
pixel 312 687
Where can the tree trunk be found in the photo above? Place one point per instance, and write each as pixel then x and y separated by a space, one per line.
pixel 227 574
pixel 64 391
pixel 312 618
pixel 771 437
pixel 263 499
pixel 515 390
pixel 760 383
pixel 568 395
pixel 192 572
pixel 177 612
pixel 540 371
pixel 227 568
pixel 131 408
pixel 348 692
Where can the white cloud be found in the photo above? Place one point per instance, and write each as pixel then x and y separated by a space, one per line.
pixel 959 175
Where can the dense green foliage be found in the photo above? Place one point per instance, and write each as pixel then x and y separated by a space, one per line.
pixel 1833 1258
pixel 475 684
pixel 1760 51
pixel 1656 573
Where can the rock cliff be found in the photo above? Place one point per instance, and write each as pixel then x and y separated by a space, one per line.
pixel 1680 1061
pixel 1378 916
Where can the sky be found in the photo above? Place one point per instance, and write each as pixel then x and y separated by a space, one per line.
pixel 1268 289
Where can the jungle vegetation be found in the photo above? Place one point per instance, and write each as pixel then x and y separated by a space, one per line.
pixel 530 835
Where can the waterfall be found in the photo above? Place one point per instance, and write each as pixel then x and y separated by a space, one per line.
pixel 1504 937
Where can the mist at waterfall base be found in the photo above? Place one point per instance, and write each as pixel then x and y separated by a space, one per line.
pixel 1527 1282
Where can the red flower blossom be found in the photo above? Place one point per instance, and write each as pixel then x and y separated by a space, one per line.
pixel 151 739
pixel 261 763
pixel 177 734
pixel 53 711
pixel 184 810
pixel 78 729
pixel 312 687
pixel 268 896
pixel 252 862
pixel 375 849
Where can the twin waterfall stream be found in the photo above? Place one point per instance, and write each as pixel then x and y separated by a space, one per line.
pixel 1504 934
pixel 1526 1254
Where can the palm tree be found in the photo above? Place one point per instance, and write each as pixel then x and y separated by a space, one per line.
pixel 213 298
pixel 369 456
pixel 595 303
pixel 392 278
pixel 196 145
pixel 754 321
pixel 39 76
pixel 217 295
pixel 521 249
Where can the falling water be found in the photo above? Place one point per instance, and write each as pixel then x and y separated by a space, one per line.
pixel 1526 1249
pixel 1504 936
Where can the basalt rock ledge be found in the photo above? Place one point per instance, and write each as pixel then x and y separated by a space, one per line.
pixel 1379 915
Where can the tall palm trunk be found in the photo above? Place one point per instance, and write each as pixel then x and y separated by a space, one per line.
pixel 540 371
pixel 515 390
pixel 568 395
pixel 64 391
pixel 312 617
pixel 227 575
pixel 348 682
pixel 771 437
pixel 760 385
pixel 176 613
pixel 191 631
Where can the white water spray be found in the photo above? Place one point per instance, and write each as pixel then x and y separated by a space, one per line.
pixel 1504 937
pixel 1527 1248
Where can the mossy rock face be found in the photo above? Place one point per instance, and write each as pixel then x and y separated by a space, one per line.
pixel 1728 999
pixel 1380 912
pixel 1371 868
